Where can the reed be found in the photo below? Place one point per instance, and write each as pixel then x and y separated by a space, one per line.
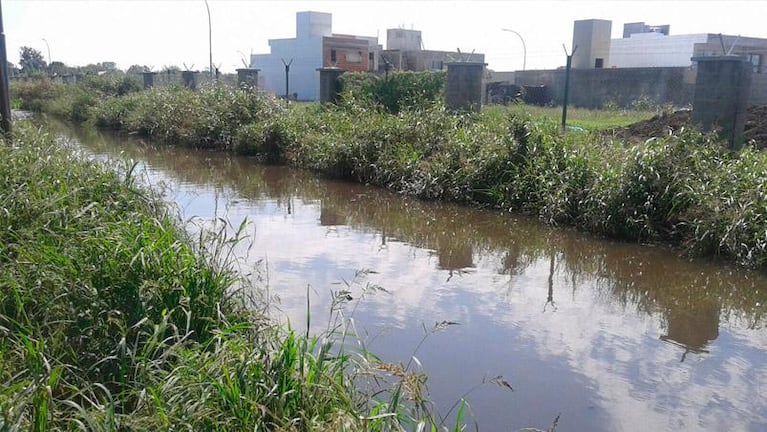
pixel 114 318
pixel 684 189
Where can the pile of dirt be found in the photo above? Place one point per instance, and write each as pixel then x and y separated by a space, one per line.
pixel 755 131
pixel 756 126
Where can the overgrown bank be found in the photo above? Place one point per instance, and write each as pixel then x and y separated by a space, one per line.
pixel 113 318
pixel 684 189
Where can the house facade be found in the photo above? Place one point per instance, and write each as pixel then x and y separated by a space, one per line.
pixel 314 46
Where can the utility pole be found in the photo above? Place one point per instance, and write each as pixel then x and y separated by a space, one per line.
pixel 567 84
pixel 524 47
pixel 287 77
pixel 210 42
pixel 49 50
pixel 5 99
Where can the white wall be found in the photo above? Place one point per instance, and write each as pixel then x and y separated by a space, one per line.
pixel 653 50
pixel 592 37
pixel 306 52
pixel 304 78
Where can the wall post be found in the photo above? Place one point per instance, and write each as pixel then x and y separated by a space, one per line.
pixel 190 79
pixel 722 89
pixel 148 79
pixel 464 85
pixel 330 84
pixel 247 77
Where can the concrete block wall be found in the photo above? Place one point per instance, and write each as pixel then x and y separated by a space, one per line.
pixel 721 97
pixel 464 90
pixel 594 88
pixel 758 89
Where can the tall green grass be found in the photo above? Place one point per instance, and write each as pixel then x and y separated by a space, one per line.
pixel 113 318
pixel 589 119
pixel 685 189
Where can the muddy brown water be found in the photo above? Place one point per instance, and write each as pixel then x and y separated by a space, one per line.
pixel 609 336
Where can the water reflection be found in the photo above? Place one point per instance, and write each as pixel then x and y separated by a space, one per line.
pixel 611 335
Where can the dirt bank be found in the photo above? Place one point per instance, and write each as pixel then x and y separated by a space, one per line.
pixel 755 130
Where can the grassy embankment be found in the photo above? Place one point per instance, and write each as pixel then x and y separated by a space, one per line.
pixel 686 190
pixel 113 318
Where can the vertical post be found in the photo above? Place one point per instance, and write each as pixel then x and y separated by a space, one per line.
pixel 287 77
pixel 330 84
pixel 567 85
pixel 463 89
pixel 49 50
pixel 148 79
pixel 247 77
pixel 210 41
pixel 5 99
pixel 722 89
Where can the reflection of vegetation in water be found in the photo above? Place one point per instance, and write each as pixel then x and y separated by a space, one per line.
pixel 652 281
pixel 113 318
pixel 684 189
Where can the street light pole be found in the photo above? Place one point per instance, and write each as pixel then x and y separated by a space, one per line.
pixel 49 51
pixel 524 48
pixel 210 40
pixel 5 99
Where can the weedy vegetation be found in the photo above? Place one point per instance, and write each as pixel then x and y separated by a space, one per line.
pixel 685 189
pixel 114 318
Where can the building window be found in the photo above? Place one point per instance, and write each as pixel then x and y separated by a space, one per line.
pixel 599 63
pixel 371 57
pixel 756 61
pixel 333 56
pixel 353 57
pixel 436 65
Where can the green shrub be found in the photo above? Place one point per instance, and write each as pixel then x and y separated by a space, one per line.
pixel 265 139
pixel 113 318
pixel 384 133
pixel 208 118
pixel 81 108
pixel 36 94
pixel 398 91
pixel 111 84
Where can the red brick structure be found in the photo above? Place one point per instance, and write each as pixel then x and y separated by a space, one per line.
pixel 350 53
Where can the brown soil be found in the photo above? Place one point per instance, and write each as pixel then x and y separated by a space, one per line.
pixel 755 131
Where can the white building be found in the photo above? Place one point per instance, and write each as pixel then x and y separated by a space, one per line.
pixel 653 46
pixel 305 50
pixel 654 50
pixel 314 46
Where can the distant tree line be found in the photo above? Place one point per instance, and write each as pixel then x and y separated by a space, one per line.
pixel 32 63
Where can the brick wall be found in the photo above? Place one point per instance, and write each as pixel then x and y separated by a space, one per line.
pixel 347 51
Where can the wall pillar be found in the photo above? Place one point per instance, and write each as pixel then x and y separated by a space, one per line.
pixel 330 84
pixel 148 79
pixel 190 79
pixel 247 77
pixel 722 88
pixel 464 85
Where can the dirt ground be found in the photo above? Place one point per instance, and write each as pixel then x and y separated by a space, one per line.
pixel 755 131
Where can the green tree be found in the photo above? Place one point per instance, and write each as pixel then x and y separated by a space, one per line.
pixel 13 70
pixel 107 66
pixel 31 60
pixel 59 68
pixel 137 69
